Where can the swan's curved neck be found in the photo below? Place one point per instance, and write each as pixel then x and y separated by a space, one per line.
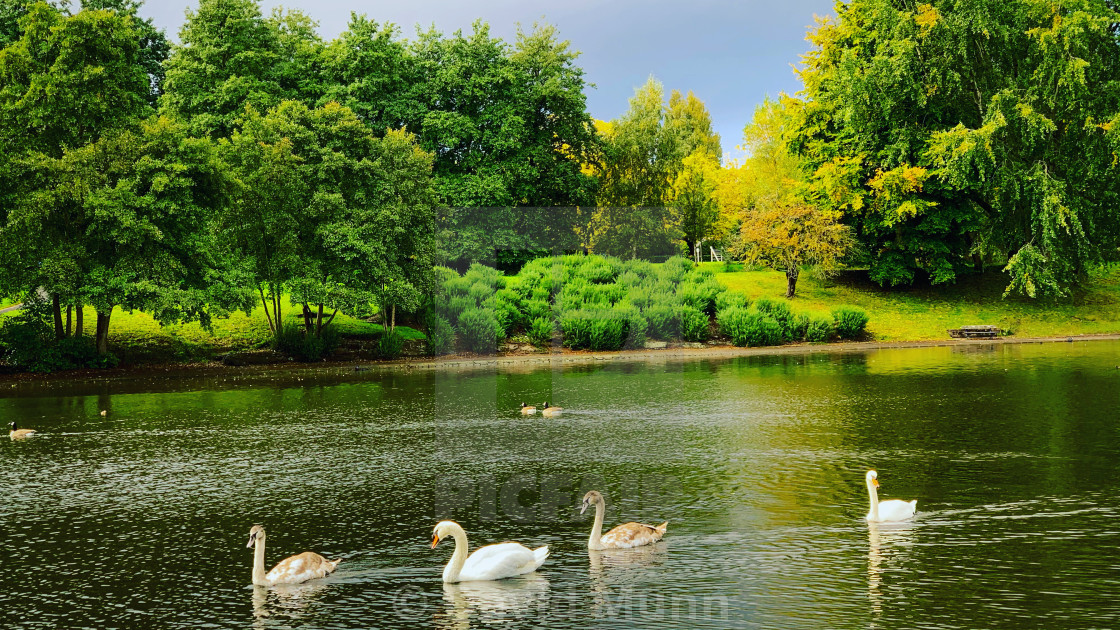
pixel 258 563
pixel 874 494
pixel 455 565
pixel 596 539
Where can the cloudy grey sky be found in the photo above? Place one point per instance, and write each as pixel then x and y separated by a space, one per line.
pixel 730 53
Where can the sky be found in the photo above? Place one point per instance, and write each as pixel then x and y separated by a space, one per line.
pixel 731 54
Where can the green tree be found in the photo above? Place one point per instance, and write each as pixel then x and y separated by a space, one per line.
pixel 954 134
pixel 643 153
pixel 778 226
pixel 231 56
pixel 124 221
pixel 66 82
pixel 328 212
pixel 696 211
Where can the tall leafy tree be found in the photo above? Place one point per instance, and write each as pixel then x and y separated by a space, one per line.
pixel 230 56
pixel 952 134
pixel 332 214
pixel 643 153
pixel 66 82
pixel 127 217
pixel 778 227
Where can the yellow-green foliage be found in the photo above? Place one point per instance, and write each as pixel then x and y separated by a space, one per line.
pixel 136 336
pixel 927 312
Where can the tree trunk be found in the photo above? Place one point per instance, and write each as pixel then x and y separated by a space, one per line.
pixel 69 321
pixel 56 308
pixel 101 336
pixel 319 321
pixel 791 280
pixel 307 326
pixel 79 313
pixel 393 318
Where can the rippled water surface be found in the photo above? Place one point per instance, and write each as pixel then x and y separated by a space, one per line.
pixel 140 518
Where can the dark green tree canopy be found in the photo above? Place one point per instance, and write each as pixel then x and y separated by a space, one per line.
pixel 956 133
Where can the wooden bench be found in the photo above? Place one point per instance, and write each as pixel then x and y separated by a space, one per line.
pixel 975 332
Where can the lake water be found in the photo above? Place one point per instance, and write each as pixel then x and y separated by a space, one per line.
pixel 140 518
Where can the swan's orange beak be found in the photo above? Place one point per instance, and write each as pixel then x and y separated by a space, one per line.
pixel 252 539
pixel 875 482
pixel 435 540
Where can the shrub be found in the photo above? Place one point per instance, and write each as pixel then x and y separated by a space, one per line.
pixel 507 311
pixel 727 299
pixel 456 306
pixel 479 331
pixel 594 330
pixel 749 327
pixel 441 336
pixel 295 342
pixel 636 331
pixel 675 269
pixel 850 321
pixel 664 321
pixel 701 291
pixel 800 326
pixel 541 331
pixel 779 311
pixel 819 329
pixel 694 323
pixel 481 292
pixel 537 308
pixel 27 341
pixel 390 344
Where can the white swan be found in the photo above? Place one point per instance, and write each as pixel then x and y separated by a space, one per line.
pixel 624 536
pixel 884 511
pixel 294 570
pixel 492 562
pixel 18 434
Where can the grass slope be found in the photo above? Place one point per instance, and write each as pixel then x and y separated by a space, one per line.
pixel 136 337
pixel 926 312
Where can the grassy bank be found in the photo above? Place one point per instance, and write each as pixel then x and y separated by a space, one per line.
pixel 926 312
pixel 135 337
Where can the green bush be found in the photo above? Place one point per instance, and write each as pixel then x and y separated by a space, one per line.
pixel 636 331
pixel 507 311
pixel 819 329
pixel 749 327
pixel 27 342
pixel 541 331
pixel 664 322
pixel 478 331
pixel 441 336
pixel 727 299
pixel 701 294
pixel 694 323
pixel 800 327
pixel 594 330
pixel 390 345
pixel 307 348
pixel 851 322
pixel 780 312
pixel 481 291
pixel 537 308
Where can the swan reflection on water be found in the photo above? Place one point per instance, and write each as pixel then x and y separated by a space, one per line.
pixel 492 601
pixel 887 543
pixel 284 603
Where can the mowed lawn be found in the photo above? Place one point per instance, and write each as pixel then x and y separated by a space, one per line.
pixel 926 312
